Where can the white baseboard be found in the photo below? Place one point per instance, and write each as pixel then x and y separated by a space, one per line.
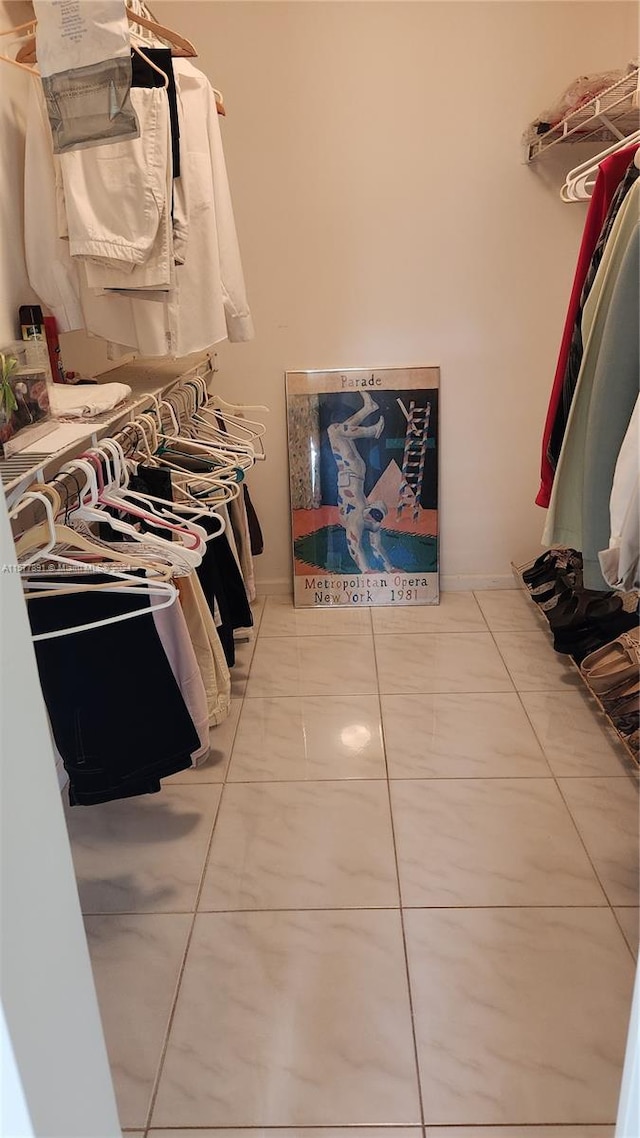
pixel 274 587
pixel 463 582
pixel 449 583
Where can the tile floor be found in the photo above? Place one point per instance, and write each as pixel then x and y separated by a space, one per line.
pixel 400 900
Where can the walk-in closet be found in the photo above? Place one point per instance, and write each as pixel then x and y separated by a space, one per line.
pixel 320 573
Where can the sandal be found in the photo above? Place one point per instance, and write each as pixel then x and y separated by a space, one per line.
pixel 613 664
pixel 583 610
pixel 547 563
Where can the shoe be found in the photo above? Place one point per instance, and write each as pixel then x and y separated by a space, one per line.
pixel 624 708
pixel 564 583
pixel 627 724
pixel 633 741
pixel 547 563
pixel 583 609
pixel 614 663
pixel 586 642
pixel 567 576
pixel 619 695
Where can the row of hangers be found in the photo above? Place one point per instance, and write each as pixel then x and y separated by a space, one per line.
pixel 183 426
pixel 579 182
pixel 181 47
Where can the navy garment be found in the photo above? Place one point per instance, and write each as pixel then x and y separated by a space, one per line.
pixel 255 529
pixel 222 582
pixel 116 711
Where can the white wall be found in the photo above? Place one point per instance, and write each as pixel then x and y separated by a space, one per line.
pixel 385 218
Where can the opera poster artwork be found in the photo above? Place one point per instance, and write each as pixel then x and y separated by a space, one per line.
pixel 363 468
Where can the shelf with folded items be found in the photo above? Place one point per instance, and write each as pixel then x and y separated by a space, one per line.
pixel 610 115
pixel 146 378
pixel 518 571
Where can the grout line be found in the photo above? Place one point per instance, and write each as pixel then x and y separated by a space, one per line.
pixel 165 1045
pixel 399 886
pixel 353 909
pixel 609 902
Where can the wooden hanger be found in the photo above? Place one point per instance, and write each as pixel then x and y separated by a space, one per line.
pixel 19 62
pixel 180 47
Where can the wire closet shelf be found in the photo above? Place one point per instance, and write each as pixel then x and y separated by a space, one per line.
pixel 607 117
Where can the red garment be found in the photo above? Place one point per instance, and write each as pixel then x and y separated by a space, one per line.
pixel 610 174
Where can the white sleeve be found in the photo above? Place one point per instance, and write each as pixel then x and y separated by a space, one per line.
pixel 52 273
pixel 236 305
pixel 620 562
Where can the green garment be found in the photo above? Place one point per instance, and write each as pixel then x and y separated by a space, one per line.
pixel 565 515
pixel 613 397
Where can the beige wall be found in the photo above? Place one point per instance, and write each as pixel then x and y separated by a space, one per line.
pixel 385 218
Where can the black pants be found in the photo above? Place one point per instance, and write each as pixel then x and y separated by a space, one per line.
pixel 116 711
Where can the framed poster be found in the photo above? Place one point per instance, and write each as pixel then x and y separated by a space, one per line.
pixel 363 470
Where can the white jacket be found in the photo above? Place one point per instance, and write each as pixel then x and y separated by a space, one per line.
pixel 209 301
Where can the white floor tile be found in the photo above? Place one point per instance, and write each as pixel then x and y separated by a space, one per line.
pixel 629 922
pixel 573 734
pixel 489 842
pixel 457 612
pixel 214 768
pixel 292 1019
pixel 606 813
pixel 327 665
pixel 533 664
pixel 290 845
pixel 508 610
pixel 521 1014
pixel 307 738
pixel 484 735
pixel 136 962
pixel 282 619
pixel 437 662
pixel 141 855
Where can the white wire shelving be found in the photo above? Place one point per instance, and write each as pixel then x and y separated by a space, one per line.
pixel 607 117
pixel 146 379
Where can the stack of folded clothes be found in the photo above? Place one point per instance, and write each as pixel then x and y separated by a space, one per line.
pixel 613 673
pixel 582 620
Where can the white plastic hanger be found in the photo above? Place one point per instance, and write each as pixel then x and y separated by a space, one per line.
pixel 579 182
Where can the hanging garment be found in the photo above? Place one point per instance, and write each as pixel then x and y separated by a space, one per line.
pixel 84 59
pixel 144 76
pixel 576 347
pixel 620 563
pixel 610 174
pixel 613 396
pixel 223 586
pixel 115 195
pixel 52 272
pixel 240 527
pixel 117 714
pixel 208 648
pixel 208 302
pixel 172 629
pixel 565 516
pixel 255 531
